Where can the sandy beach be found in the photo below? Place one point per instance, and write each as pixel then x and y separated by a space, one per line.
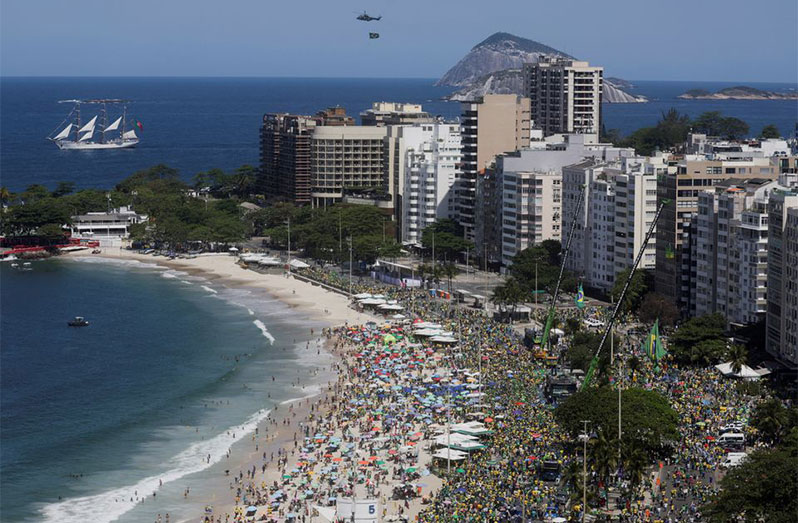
pixel 327 307
pixel 263 459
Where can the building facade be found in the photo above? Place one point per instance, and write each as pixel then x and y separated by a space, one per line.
pixel 285 157
pixel 565 96
pixel 431 154
pixel 782 308
pixel 676 252
pixel 492 125
pixel 346 158
pixel 391 113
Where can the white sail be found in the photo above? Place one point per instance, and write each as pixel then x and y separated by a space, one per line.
pixel 114 126
pixel 130 135
pixel 64 134
pixel 86 136
pixel 89 126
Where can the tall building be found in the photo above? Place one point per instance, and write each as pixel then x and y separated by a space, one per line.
pixel 675 263
pixel 346 158
pixel 782 311
pixel 391 113
pixel 731 234
pixel 285 157
pixel 618 207
pixel 431 156
pixel 492 125
pixel 530 185
pixel 565 96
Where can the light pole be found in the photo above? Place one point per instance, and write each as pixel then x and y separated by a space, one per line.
pixel 350 265
pixel 289 243
pixel 584 437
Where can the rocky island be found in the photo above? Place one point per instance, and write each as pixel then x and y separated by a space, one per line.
pixel 740 92
pixel 494 65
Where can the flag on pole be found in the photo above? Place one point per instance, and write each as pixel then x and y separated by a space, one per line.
pixel 140 126
pixel 653 345
pixel 580 297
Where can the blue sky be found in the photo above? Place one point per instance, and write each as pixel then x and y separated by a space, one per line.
pixel 731 40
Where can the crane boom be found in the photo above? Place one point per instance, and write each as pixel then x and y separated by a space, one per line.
pixel 594 362
pixel 552 308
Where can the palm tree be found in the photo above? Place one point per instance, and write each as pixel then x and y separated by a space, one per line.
pixel 604 454
pixel 738 357
pixel 635 463
pixel 450 270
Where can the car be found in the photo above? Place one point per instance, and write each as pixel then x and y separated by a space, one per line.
pixel 735 426
pixel 733 459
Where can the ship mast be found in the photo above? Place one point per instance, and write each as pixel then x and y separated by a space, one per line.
pixel 105 122
pixel 77 127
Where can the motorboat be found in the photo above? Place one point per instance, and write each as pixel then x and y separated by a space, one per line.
pixel 79 321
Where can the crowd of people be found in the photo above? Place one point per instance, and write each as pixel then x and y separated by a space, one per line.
pixel 372 434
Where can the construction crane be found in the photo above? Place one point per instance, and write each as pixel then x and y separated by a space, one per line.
pixel 553 307
pixel 594 362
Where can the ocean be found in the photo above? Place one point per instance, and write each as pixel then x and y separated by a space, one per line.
pixel 196 124
pixel 171 371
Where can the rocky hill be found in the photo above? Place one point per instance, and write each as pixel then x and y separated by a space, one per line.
pixel 493 66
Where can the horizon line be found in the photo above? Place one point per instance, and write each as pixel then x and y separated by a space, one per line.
pixel 45 76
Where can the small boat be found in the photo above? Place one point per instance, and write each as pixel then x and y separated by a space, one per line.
pixel 78 322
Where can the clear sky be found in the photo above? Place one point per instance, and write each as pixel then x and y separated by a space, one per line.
pixel 729 40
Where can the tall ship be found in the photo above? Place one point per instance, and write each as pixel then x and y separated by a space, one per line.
pixel 96 133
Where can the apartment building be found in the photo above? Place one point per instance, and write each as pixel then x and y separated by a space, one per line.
pixel 782 308
pixel 391 113
pixel 675 260
pixel 565 96
pixel 530 181
pixel 285 157
pixel 346 158
pixel 426 187
pixel 492 125
pixel 731 235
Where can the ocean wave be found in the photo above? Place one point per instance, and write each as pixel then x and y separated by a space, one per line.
pixel 259 324
pixel 205 287
pixel 186 282
pixel 110 505
pixel 117 261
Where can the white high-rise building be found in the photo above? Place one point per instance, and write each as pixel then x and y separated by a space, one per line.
pixel 430 156
pixel 782 312
pixel 531 185
pixel 565 96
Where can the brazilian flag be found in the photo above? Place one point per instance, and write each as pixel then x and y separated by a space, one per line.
pixel 580 297
pixel 653 347
pixel 669 254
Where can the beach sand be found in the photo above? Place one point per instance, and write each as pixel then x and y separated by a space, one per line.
pixel 317 303
pixel 275 434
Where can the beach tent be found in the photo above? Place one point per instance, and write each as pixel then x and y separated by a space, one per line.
pixel 746 372
pixel 450 454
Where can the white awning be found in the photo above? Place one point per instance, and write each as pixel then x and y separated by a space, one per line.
pixel 299 264
pixel 745 372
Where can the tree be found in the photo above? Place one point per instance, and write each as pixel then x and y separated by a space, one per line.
pixel 582 348
pixel 604 453
pixel 507 296
pixel 699 340
pixel 737 356
pixel 5 195
pixel 447 238
pixel 647 415
pixel 51 233
pixel 160 177
pixel 761 488
pixel 639 286
pixel 63 188
pixel 543 259
pixel 773 420
pixel 670 132
pixel 715 124
pixel 657 306
pixel 770 131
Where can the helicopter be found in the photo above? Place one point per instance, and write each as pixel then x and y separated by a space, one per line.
pixel 366 18
pixel 374 36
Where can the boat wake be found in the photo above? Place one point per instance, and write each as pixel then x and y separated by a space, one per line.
pixel 259 324
pixel 112 504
